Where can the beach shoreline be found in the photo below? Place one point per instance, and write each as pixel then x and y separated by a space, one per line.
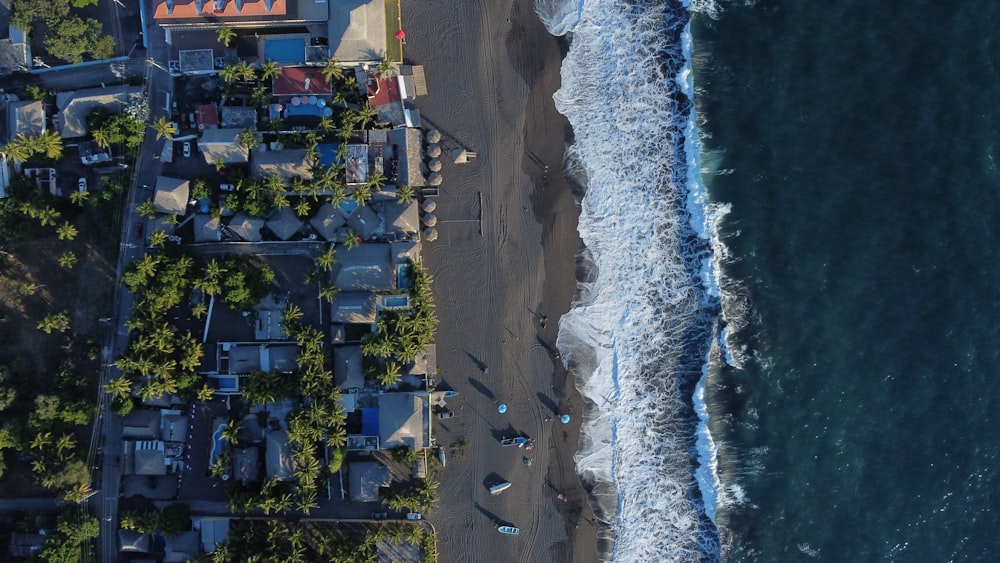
pixel 504 274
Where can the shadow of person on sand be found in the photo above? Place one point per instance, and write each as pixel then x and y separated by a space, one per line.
pixel 493 517
pixel 482 389
pixel 480 365
pixel 546 401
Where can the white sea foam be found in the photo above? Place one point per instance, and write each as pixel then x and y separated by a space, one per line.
pixel 644 325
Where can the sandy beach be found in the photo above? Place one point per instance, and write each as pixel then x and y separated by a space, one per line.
pixel 501 283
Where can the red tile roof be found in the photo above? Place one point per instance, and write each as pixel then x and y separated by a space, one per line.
pixel 383 92
pixel 301 80
pixel 180 9
pixel 207 115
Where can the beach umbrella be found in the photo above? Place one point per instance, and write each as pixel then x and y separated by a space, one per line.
pixel 434 179
pixel 433 150
pixel 429 205
pixel 327 112
pixel 312 100
pixel 296 101
pixel 502 408
pixel 434 165
pixel 430 235
pixel 433 136
pixel 400 35
pixel 564 418
pixel 430 220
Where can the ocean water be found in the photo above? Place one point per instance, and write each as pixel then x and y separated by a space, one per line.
pixel 788 335
pixel 856 144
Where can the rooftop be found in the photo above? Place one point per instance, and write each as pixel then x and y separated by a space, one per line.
pixel 402 420
pixel 26 118
pixel 294 81
pixel 327 221
pixel 410 157
pixel 208 115
pixel 239 117
pixel 171 195
pixel 213 9
pixel 365 268
pixel 357 31
pixel 245 227
pixel 347 363
pixel 207 228
pixel 353 307
pixel 74 106
pixel 287 163
pixel 280 465
pixel 222 144
pixel 284 223
pixel 364 222
pixel 365 479
pixel 401 218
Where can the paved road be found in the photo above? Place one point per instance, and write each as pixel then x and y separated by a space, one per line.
pixel 146 168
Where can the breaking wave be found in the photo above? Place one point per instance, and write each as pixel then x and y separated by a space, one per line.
pixel 647 326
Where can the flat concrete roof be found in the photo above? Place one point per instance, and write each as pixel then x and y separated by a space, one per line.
pixel 365 268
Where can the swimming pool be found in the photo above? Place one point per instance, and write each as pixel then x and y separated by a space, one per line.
pixel 218 443
pixel 403 276
pixel 285 50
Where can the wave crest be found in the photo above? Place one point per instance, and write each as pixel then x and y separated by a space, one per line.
pixel 645 319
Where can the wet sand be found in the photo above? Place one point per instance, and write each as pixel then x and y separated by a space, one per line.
pixel 502 282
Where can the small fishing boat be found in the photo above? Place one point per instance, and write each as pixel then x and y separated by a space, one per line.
pixel 499 488
pixel 509 530
pixel 450 393
pixel 518 441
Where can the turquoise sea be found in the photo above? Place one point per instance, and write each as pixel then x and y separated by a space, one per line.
pixel 858 144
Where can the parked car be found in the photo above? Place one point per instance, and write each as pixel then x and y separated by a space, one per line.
pixel 227 187
pixel 446 414
pixel 82 185
pixel 380 515
pixel 187 149
pixel 414 516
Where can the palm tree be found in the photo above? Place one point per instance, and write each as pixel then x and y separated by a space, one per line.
pixel 51 144
pixel 280 201
pixel 326 124
pixel 41 441
pixel 384 66
pixel 65 442
pixel 67 260
pixel 230 74
pixel 332 70
pixel 199 310
pixel 362 194
pixel 67 231
pixel 158 238
pixel 260 96
pixel 367 114
pixel 78 197
pixel 247 72
pixel 226 35
pixel 163 128
pixel 119 388
pixel 231 433
pixel 48 216
pixel 302 208
pixel 219 164
pixel 247 138
pixel 17 150
pixel 390 374
pixel 78 492
pixel 405 195
pixel 205 393
pixel 270 70
pixel 353 240
pixel 101 138
pixel 146 210
pixel 328 291
pixel 327 259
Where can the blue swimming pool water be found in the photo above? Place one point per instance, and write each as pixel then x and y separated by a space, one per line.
pixel 403 276
pixel 218 442
pixel 285 50
pixel 396 301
